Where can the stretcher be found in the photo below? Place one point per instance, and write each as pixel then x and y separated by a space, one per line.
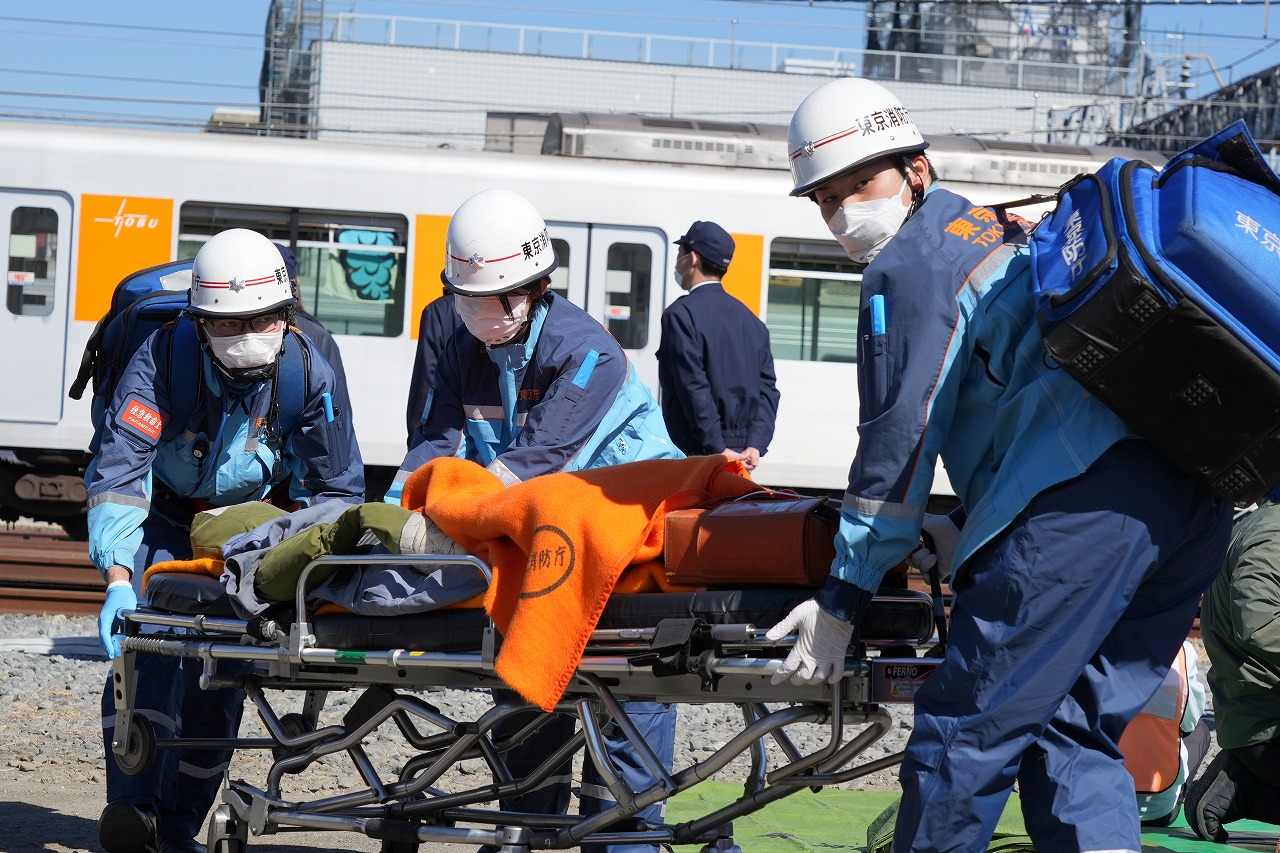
pixel 684 648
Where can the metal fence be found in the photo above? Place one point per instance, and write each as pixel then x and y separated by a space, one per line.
pixel 726 53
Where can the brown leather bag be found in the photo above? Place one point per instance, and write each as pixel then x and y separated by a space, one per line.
pixel 769 538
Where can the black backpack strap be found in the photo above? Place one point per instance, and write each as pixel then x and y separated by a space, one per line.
pixel 1038 198
pixel 291 388
pixel 90 357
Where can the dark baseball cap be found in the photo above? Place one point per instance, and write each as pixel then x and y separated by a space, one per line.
pixel 290 262
pixel 710 241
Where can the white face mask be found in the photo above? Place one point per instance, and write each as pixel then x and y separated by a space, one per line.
pixel 485 318
pixel 252 349
pixel 676 271
pixel 863 228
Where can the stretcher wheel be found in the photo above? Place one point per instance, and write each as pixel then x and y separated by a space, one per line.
pixel 140 747
pixel 293 725
pixel 226 833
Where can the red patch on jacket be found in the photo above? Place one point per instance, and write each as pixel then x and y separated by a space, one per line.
pixel 142 418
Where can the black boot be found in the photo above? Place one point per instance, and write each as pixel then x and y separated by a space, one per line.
pixel 125 828
pixel 1215 798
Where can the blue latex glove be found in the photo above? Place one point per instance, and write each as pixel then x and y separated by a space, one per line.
pixel 120 597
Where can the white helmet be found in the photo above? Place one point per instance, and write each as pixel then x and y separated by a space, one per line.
pixel 239 273
pixel 843 124
pixel 497 241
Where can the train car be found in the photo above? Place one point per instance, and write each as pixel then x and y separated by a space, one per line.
pixel 82 207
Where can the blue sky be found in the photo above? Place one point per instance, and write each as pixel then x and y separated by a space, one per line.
pixel 174 60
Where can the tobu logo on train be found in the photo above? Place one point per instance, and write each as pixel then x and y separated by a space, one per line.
pixel 118 235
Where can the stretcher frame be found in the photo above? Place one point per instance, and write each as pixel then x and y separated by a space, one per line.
pixel 723 663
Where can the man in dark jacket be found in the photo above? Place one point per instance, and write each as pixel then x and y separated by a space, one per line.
pixel 715 368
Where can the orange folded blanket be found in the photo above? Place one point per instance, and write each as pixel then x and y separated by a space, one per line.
pixel 198 566
pixel 558 544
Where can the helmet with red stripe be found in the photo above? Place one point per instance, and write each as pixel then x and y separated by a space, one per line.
pixel 497 241
pixel 239 273
pixel 843 124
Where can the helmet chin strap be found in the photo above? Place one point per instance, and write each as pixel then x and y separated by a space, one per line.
pixel 917 195
pixel 247 375
pixel 242 376
pixel 536 300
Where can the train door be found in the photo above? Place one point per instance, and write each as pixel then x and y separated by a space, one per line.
pixel 626 271
pixel 36 228
pixel 571 242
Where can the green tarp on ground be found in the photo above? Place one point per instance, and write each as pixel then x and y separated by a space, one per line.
pixel 838 820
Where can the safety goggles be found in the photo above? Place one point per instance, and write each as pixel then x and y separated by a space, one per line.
pixel 225 326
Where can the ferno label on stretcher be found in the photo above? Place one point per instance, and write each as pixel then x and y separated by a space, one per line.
pixel 898 679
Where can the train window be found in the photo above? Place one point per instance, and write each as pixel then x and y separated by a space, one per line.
pixel 814 291
pixel 560 277
pixel 33 261
pixel 351 266
pixel 626 287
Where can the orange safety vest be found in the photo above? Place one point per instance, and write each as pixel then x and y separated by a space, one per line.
pixel 1151 744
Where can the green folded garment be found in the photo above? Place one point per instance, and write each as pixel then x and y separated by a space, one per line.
pixel 210 530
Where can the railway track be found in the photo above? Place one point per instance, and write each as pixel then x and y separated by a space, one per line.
pixel 48 572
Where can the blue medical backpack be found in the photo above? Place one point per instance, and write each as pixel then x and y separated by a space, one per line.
pixel 155 298
pixel 1160 292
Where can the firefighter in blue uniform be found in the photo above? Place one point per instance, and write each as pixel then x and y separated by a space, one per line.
pixel 536 386
pixel 715 368
pixel 1079 567
pixel 144 488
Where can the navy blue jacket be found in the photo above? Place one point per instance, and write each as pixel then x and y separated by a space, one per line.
pixel 564 398
pixel 957 371
pixel 227 454
pixel 438 323
pixel 715 371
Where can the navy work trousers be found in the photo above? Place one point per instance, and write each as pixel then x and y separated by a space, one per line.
pixel 180 785
pixel 1062 627
pixel 656 723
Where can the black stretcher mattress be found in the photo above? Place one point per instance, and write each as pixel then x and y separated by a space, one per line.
pixel 896 615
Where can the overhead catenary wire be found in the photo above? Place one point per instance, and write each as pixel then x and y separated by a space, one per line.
pixel 177 111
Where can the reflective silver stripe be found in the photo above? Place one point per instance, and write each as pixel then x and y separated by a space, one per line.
pixel 157 719
pixel 195 771
pixel 484 413
pixel 866 506
pixel 600 792
pixel 521 417
pixel 503 473
pixel 119 499
pixel 401 476
pixel 992 264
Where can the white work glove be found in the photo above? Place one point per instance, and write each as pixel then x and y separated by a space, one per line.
pixel 945 536
pixel 822 641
